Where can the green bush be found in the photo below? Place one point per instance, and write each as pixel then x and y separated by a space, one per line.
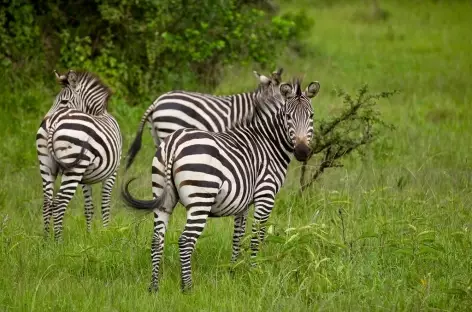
pixel 145 47
pixel 19 32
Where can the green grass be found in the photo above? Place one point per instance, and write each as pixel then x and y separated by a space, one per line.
pixel 402 241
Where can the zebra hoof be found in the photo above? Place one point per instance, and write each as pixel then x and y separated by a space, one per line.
pixel 153 289
pixel 58 239
pixel 186 289
pixel 46 240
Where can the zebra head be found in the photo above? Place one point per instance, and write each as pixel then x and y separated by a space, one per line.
pixel 297 114
pixel 68 95
pixel 83 91
pixel 268 95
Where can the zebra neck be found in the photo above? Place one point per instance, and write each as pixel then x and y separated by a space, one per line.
pixel 242 107
pixel 271 130
pixel 95 104
pixel 96 108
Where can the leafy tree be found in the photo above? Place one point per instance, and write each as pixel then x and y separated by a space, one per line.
pixel 145 46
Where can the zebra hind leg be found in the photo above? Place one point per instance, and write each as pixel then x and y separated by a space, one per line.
pixel 107 188
pixel 47 208
pixel 239 230
pixel 48 197
pixel 87 189
pixel 67 190
pixel 196 220
pixel 161 220
pixel 48 172
pixel 47 212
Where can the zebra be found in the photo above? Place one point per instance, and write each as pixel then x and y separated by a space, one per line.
pixel 78 126
pixel 184 109
pixel 221 174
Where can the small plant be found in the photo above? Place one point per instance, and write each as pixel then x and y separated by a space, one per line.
pixel 356 126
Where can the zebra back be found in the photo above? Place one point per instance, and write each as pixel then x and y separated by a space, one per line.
pixel 183 109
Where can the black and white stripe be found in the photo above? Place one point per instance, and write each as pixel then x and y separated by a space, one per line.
pixel 81 140
pixel 83 91
pixel 183 109
pixel 221 174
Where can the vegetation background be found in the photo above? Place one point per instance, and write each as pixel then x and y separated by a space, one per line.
pixel 391 230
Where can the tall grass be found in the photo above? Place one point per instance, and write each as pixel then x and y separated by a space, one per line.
pixel 389 231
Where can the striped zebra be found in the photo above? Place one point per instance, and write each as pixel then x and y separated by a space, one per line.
pixel 81 140
pixel 221 174
pixel 183 109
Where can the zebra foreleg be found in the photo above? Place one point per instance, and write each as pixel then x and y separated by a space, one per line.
pixel 263 208
pixel 87 189
pixel 107 188
pixel 196 220
pixel 69 183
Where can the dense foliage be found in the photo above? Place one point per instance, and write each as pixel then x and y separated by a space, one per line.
pixel 141 46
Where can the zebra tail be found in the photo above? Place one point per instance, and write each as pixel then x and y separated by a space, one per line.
pixel 136 145
pixel 50 147
pixel 139 203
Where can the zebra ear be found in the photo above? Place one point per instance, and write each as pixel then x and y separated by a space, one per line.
pixel 72 78
pixel 262 79
pixel 62 79
pixel 286 90
pixel 277 75
pixel 312 89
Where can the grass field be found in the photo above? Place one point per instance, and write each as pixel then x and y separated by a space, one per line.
pixel 401 242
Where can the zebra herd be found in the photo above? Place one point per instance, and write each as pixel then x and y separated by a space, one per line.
pixel 216 155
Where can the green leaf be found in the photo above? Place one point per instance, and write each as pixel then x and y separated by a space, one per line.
pixel 293 237
pixel 368 235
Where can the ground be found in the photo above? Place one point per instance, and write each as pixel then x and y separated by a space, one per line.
pixel 389 231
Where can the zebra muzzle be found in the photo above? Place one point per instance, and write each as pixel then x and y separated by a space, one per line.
pixel 301 152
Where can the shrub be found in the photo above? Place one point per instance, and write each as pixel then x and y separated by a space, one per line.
pixel 144 47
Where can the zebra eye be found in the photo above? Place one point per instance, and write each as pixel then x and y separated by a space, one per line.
pixel 311 115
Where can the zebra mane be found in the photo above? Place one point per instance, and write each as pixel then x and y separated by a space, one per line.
pixel 258 89
pixel 89 78
pixel 297 85
pixel 87 82
pixel 262 103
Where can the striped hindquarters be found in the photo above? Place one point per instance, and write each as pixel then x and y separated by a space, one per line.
pixel 100 136
pixel 208 167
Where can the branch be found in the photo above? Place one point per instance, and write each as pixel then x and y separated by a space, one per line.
pixel 327 162
pixel 335 138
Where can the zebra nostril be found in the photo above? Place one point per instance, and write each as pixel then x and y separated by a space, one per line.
pixel 302 152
